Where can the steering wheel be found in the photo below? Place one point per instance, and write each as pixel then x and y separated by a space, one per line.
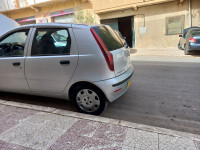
pixel 5 48
pixel 13 47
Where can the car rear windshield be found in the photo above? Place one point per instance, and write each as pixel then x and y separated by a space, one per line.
pixel 196 33
pixel 109 37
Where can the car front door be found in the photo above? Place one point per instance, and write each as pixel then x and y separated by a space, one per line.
pixel 13 47
pixel 52 60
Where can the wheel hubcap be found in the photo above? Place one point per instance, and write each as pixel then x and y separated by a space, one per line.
pixel 88 100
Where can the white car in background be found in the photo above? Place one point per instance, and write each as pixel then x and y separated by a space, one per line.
pixel 6 24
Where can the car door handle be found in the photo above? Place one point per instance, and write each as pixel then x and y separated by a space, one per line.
pixel 16 64
pixel 64 62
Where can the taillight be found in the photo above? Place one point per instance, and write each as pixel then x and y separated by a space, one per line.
pixel 117 90
pixel 106 53
pixel 192 40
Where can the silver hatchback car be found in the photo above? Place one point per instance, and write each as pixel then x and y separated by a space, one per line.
pixel 87 64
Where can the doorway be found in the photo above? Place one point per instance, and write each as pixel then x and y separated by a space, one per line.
pixel 124 25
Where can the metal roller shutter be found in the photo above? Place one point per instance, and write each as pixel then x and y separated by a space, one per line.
pixel 64 18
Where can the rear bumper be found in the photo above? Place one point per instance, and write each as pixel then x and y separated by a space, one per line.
pixel 115 87
pixel 194 46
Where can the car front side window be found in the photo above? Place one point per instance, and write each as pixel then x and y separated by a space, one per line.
pixel 12 45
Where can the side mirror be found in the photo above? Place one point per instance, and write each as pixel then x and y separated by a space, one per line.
pixel 180 35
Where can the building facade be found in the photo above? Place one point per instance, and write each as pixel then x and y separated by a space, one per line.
pixel 144 23
pixel 45 11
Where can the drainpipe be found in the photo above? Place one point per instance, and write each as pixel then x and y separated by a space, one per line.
pixel 190 18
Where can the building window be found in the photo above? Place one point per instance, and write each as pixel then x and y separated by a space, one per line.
pixel 175 25
pixel 64 18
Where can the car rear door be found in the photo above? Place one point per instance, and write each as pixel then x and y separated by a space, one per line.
pixel 52 60
pixel 13 48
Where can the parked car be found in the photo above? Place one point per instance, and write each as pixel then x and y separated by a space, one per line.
pixel 192 39
pixel 91 67
pixel 182 40
pixel 7 24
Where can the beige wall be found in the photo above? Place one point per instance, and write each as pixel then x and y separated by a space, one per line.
pixel 111 5
pixel 154 19
pixel 26 12
pixel 195 4
pixel 102 6
pixel 45 9
pixel 155 23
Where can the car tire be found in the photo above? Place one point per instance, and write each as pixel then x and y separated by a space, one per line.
pixel 89 100
pixel 179 46
pixel 186 52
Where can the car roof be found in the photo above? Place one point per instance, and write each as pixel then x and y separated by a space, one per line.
pixel 53 25
pixel 194 30
pixel 189 29
pixel 73 25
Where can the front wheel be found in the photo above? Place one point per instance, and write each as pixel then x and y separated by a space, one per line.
pixel 89 100
pixel 179 46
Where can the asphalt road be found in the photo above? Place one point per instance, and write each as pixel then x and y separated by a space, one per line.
pixel 165 92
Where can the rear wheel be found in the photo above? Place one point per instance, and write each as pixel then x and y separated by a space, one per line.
pixel 186 52
pixel 179 46
pixel 89 100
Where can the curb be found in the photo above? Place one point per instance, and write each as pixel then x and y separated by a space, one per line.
pixel 154 58
pixel 166 52
pixel 102 119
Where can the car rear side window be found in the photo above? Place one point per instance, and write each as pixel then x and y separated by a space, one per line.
pixel 48 42
pixel 109 37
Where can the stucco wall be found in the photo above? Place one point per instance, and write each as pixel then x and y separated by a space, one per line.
pixel 110 4
pixel 45 9
pixel 26 12
pixel 153 19
pixel 155 23
pixel 195 4
pixel 6 5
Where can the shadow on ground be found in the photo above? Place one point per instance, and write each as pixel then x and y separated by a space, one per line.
pixel 37 100
pixel 195 54
pixel 133 51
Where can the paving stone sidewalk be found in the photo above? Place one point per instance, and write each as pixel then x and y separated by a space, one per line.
pixel 29 127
